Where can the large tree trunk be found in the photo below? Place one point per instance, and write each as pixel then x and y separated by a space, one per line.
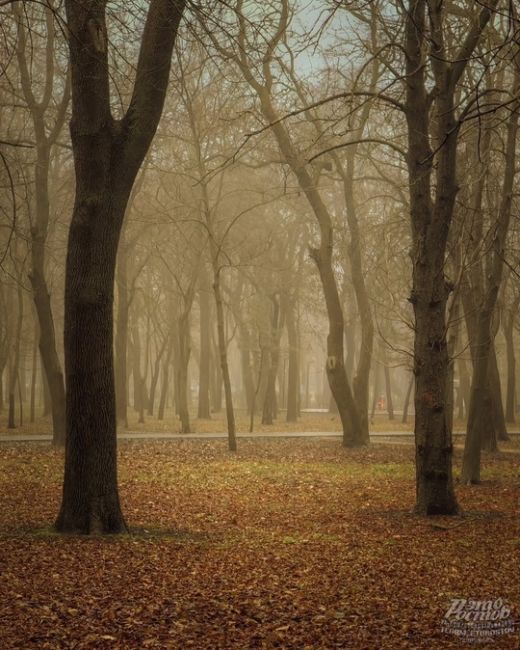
pixel 430 222
pixel 107 156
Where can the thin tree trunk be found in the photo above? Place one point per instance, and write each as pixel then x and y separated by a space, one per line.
pixel 155 376
pixel 121 342
pixel 216 383
pixel 388 389
pixel 165 380
pixel 14 370
pixel 508 322
pixel 406 404
pixel 204 411
pixel 293 381
pixel 230 414
pixel 34 373
pixel 375 396
pixel 499 419
pixel 270 399
pixel 184 349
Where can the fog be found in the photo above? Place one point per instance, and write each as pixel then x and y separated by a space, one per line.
pixel 258 288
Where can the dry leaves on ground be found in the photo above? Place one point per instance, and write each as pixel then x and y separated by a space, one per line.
pixel 290 544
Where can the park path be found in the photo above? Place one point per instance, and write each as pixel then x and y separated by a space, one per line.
pixel 379 436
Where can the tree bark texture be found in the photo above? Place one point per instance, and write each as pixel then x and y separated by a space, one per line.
pixel 107 157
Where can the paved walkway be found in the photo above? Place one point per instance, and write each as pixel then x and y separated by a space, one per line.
pixel 157 435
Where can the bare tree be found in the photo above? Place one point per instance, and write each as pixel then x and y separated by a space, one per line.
pixel 45 137
pixel 107 154
pixel 432 197
pixel 484 339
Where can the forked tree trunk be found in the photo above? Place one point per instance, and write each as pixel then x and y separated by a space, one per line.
pixel 107 156
pixel 430 221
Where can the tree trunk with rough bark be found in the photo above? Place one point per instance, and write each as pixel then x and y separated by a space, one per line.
pixel 107 157
pixel 431 211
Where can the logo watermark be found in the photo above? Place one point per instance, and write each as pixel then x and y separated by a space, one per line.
pixel 478 621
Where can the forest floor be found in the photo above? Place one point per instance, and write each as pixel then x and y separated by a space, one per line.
pixel 296 544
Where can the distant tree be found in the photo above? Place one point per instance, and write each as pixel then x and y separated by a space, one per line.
pixel 255 53
pixel 484 331
pixel 42 113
